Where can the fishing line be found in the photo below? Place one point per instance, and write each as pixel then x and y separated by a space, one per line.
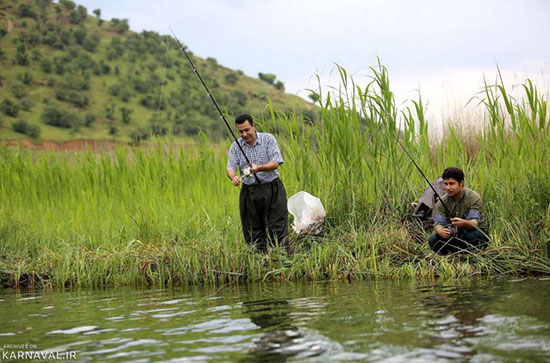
pixel 162 86
pixel 247 171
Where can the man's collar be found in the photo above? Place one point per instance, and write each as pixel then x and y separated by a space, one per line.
pixel 257 141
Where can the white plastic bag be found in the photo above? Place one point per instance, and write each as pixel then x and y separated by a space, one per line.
pixel 308 212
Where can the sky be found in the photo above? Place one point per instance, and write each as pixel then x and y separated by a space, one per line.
pixel 442 48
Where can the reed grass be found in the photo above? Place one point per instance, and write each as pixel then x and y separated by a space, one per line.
pixel 166 216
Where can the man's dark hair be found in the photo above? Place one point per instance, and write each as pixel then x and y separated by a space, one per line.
pixel 455 173
pixel 244 117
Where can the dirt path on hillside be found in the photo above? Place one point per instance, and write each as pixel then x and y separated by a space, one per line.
pixel 72 145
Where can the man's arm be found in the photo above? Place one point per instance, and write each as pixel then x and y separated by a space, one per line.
pixel 269 166
pixel 235 179
pixel 441 220
pixel 470 220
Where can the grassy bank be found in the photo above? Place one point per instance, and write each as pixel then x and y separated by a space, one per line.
pixel 169 216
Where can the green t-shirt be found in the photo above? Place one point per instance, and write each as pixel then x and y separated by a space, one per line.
pixel 467 207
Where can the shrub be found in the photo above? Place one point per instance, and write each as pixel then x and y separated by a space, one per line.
pixel 9 108
pixel 89 119
pixel 26 104
pixel 267 77
pixel 54 116
pixel 240 97
pixel 231 78
pixel 125 113
pixel 123 26
pixel 68 4
pixel 113 130
pixel 23 127
pixel 314 97
pixel 212 62
pixel 26 78
pixel 280 86
pixel 80 35
pixel 18 90
pixel 138 135
pixel 21 57
pixel 91 42
pixel 26 11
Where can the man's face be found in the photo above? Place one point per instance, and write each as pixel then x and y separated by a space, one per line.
pixel 452 187
pixel 247 132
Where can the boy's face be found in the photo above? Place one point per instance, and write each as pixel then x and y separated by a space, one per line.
pixel 452 187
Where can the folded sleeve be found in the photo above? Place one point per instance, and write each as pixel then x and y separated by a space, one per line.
pixel 273 152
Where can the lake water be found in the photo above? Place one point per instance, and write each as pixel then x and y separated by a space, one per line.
pixel 479 321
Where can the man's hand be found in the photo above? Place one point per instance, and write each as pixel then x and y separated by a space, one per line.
pixel 464 223
pixel 443 232
pixel 236 180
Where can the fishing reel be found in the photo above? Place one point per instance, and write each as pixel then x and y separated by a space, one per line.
pixel 454 231
pixel 247 171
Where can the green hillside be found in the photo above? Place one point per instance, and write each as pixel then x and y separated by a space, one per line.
pixel 65 74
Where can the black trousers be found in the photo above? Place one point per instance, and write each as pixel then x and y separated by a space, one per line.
pixel 466 240
pixel 264 214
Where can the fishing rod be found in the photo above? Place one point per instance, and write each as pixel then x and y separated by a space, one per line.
pixel 420 170
pixel 247 171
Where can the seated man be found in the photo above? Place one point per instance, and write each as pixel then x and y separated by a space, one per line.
pixel 459 224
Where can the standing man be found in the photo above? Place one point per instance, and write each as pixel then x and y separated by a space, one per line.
pixel 262 201
pixel 459 224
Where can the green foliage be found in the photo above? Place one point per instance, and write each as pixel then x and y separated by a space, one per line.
pixel 73 64
pixel 123 26
pixel 138 135
pixel 25 11
pixel 89 119
pixel 18 90
pixel 25 77
pixel 9 108
pixel 55 116
pixel 76 98
pixel 267 77
pixel 314 97
pixel 113 130
pixel 213 62
pixel 80 35
pixel 21 56
pixel 68 4
pixel 240 97
pixel 231 78
pixel 280 86
pixel 23 127
pixel 125 113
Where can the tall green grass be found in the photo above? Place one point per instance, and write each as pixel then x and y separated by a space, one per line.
pixel 166 216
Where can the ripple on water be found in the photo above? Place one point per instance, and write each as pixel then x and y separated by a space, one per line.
pixel 77 330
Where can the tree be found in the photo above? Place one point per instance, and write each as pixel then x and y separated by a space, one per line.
pixel 22 127
pixel 314 97
pixel 125 113
pixel 26 11
pixel 97 13
pixel 280 86
pixel 9 108
pixel 80 35
pixel 231 78
pixel 267 77
pixel 68 4
pixel 123 26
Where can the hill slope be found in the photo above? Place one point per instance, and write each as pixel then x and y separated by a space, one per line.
pixel 66 75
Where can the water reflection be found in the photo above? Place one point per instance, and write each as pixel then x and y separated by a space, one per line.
pixel 281 339
pixel 456 312
pixel 364 321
